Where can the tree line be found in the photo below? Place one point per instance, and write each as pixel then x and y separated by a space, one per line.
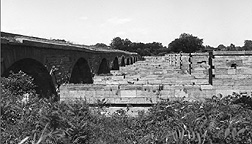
pixel 186 43
pixel 247 46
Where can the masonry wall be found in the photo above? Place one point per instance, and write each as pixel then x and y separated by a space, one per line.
pixel 132 94
pixel 141 94
pixel 231 68
pixel 113 94
pixel 50 55
pixel 222 72
pixel 232 71
pixel 199 67
pixel 192 76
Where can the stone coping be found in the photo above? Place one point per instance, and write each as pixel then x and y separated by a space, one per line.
pixel 146 86
pixel 215 53
pixel 16 39
pixel 200 54
pixel 231 53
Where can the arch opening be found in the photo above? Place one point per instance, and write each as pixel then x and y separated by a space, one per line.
pixel 115 64
pixel 123 62
pixel 81 73
pixel 131 60
pixel 103 68
pixel 42 79
pixel 128 61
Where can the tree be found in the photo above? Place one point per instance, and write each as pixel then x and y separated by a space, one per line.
pixel 221 47
pixel 127 42
pixel 143 49
pixel 186 43
pixel 117 43
pixel 231 47
pixel 207 48
pixel 100 45
pixel 247 45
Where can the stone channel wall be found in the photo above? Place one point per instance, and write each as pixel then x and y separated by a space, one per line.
pixel 233 68
pixel 132 94
pixel 193 76
pixel 113 94
pixel 225 71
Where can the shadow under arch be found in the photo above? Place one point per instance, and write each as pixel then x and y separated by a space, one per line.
pixel 42 79
pixel 103 68
pixel 81 73
pixel 131 60
pixel 115 64
pixel 128 61
pixel 123 62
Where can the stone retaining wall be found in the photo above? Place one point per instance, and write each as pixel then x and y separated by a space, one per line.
pixel 229 68
pixel 145 94
pixel 175 76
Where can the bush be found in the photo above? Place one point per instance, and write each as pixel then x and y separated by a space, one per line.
pixel 217 120
pixel 39 120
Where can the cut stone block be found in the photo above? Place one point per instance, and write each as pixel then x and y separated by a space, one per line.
pixel 128 93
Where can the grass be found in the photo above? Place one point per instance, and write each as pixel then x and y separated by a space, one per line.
pixel 42 121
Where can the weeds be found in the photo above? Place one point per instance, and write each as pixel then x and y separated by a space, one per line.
pixel 42 121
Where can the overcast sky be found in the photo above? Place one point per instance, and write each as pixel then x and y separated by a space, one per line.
pixel 99 21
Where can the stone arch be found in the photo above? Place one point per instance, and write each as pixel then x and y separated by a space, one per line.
pixel 131 60
pixel 42 79
pixel 123 62
pixel 115 64
pixel 3 67
pixel 81 73
pixel 103 68
pixel 128 61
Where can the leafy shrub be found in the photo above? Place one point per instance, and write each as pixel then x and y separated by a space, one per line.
pixel 39 120
pixel 244 100
pixel 217 120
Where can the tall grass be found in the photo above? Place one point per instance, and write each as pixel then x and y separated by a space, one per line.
pixel 42 121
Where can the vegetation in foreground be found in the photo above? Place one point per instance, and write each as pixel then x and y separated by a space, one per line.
pixel 41 121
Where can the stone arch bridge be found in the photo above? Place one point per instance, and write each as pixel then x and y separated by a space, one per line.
pixel 54 62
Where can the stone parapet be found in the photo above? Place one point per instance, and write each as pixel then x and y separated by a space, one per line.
pixel 146 94
pixel 232 53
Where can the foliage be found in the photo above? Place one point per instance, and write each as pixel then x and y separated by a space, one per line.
pixel 247 46
pixel 186 43
pixel 17 84
pixel 101 45
pixel 221 47
pixel 216 120
pixel 25 118
pixel 143 49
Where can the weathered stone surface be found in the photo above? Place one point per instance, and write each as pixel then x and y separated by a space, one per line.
pixel 53 63
pixel 159 78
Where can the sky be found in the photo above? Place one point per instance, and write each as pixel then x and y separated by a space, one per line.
pixel 99 21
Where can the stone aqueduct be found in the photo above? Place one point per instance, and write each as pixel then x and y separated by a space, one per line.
pixel 52 62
